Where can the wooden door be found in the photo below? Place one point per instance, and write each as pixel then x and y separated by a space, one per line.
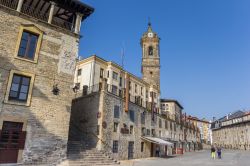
pixel 130 150
pixel 11 140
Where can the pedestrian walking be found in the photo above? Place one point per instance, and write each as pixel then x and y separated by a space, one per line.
pixel 219 152
pixel 213 152
pixel 157 151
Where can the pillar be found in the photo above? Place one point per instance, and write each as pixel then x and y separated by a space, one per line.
pixel 78 22
pixel 19 6
pixel 51 12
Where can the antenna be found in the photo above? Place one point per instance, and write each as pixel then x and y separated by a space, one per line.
pixel 122 55
pixel 149 22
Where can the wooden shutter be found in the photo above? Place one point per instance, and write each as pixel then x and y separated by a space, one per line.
pixel 22 139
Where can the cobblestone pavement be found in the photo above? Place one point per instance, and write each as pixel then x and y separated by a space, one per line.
pixel 202 158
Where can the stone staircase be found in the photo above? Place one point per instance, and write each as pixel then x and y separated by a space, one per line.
pixel 83 154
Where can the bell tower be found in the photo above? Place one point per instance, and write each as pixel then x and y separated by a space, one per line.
pixel 151 57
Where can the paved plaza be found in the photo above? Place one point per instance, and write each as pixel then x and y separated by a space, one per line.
pixel 202 158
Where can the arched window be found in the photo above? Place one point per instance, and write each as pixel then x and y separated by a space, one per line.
pixel 150 50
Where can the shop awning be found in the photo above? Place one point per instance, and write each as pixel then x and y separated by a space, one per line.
pixel 157 141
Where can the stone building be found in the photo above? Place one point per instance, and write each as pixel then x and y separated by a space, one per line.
pixel 232 131
pixel 38 46
pixel 119 113
pixel 204 127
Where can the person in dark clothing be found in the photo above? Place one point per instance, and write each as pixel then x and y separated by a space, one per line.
pixel 213 152
pixel 157 151
pixel 219 152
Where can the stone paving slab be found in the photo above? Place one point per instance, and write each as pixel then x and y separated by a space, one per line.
pixel 202 158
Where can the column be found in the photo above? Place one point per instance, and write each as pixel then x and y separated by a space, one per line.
pixel 19 6
pixel 51 12
pixel 78 22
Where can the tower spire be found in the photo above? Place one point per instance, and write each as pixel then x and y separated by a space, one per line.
pixel 149 25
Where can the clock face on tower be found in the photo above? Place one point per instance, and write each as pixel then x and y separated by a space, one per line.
pixel 150 34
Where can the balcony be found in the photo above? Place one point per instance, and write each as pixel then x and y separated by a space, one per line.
pixel 64 14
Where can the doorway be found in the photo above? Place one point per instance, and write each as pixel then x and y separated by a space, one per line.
pixel 11 140
pixel 130 150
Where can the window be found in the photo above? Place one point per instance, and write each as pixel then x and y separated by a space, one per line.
pixel 159 133
pixel 120 83
pixel 146 93
pixel 79 72
pixel 150 51
pixel 166 106
pixel 19 88
pixel 143 131
pixel 28 43
pixel 115 146
pixel 142 118
pixel 141 91
pixel 135 88
pixel 148 131
pixel 115 126
pixel 131 130
pixel 98 130
pixel 132 115
pixel 108 74
pixel 142 146
pixel 153 132
pixel 114 89
pixel 160 125
pixel 116 111
pixel 27 46
pixel 166 124
pixel 101 73
pixel 115 75
pixel 129 85
pixel 163 106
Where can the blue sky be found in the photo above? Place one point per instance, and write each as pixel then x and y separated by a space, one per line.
pixel 205 47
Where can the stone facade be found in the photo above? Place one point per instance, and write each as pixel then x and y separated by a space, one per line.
pixel 95 116
pixel 233 133
pixel 45 116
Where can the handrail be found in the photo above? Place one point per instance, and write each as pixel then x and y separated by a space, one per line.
pixel 109 153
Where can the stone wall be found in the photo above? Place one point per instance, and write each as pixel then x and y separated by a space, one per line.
pixel 48 115
pixel 97 109
pixel 233 136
